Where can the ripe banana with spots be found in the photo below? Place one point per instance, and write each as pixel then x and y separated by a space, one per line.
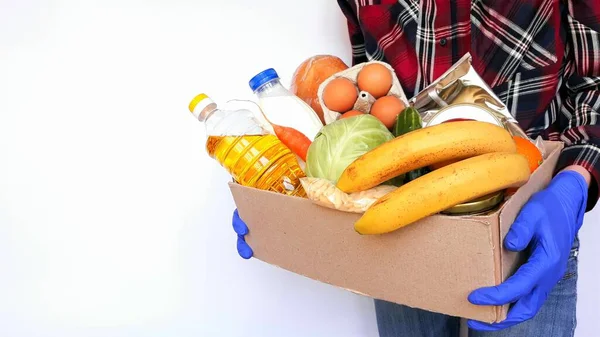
pixel 424 147
pixel 444 188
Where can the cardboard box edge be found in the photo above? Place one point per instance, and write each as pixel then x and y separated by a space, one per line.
pixel 502 311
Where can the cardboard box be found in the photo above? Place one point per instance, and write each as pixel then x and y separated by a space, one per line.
pixel 433 264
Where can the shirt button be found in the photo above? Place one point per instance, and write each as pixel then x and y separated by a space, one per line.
pixel 443 42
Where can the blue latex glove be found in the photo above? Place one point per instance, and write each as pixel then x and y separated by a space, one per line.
pixel 547 224
pixel 239 226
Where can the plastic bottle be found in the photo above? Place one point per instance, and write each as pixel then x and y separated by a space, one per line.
pixel 238 141
pixel 282 107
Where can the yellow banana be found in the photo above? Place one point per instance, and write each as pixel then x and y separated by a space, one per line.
pixel 444 188
pixel 421 148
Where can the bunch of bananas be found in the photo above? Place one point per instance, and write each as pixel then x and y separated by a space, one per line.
pixel 485 161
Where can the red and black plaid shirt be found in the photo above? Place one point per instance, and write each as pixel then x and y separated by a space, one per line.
pixel 541 57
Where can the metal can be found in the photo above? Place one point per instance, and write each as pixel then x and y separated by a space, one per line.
pixel 465 111
pixel 478 206
pixel 471 111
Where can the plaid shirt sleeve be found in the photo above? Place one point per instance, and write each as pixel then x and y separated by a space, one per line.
pixel 359 54
pixel 580 117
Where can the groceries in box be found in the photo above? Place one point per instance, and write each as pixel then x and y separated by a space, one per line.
pixel 434 169
pixel 444 151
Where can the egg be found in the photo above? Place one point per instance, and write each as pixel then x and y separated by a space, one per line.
pixel 351 113
pixel 375 79
pixel 340 95
pixel 386 109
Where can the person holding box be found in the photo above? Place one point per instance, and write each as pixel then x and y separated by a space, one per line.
pixel 542 58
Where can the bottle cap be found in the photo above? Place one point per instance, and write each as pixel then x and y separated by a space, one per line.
pixel 263 77
pixel 198 106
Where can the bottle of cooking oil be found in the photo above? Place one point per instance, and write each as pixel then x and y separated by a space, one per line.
pixel 245 148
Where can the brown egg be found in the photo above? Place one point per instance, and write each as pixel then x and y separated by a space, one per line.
pixel 375 79
pixel 386 109
pixel 340 95
pixel 351 113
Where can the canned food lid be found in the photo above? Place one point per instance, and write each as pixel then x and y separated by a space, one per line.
pixel 482 204
pixel 464 111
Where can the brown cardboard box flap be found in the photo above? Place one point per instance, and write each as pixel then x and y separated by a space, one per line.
pixel 433 264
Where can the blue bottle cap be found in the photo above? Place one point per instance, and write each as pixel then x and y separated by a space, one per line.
pixel 263 77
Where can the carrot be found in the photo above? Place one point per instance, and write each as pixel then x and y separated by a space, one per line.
pixel 295 140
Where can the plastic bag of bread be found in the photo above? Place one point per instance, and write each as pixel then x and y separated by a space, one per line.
pixel 324 193
pixel 310 74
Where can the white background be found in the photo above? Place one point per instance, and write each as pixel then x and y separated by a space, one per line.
pixel 109 219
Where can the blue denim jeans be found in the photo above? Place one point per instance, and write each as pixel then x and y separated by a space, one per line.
pixel 556 318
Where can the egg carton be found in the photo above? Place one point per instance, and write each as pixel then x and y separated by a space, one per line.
pixel 365 100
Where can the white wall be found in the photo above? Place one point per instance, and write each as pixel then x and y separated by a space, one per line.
pixel 109 224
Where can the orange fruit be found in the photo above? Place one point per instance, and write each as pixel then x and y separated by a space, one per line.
pixel 530 151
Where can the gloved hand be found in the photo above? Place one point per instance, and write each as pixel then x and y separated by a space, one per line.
pixel 548 224
pixel 239 226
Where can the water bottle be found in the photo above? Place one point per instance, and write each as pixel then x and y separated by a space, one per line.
pixel 281 107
